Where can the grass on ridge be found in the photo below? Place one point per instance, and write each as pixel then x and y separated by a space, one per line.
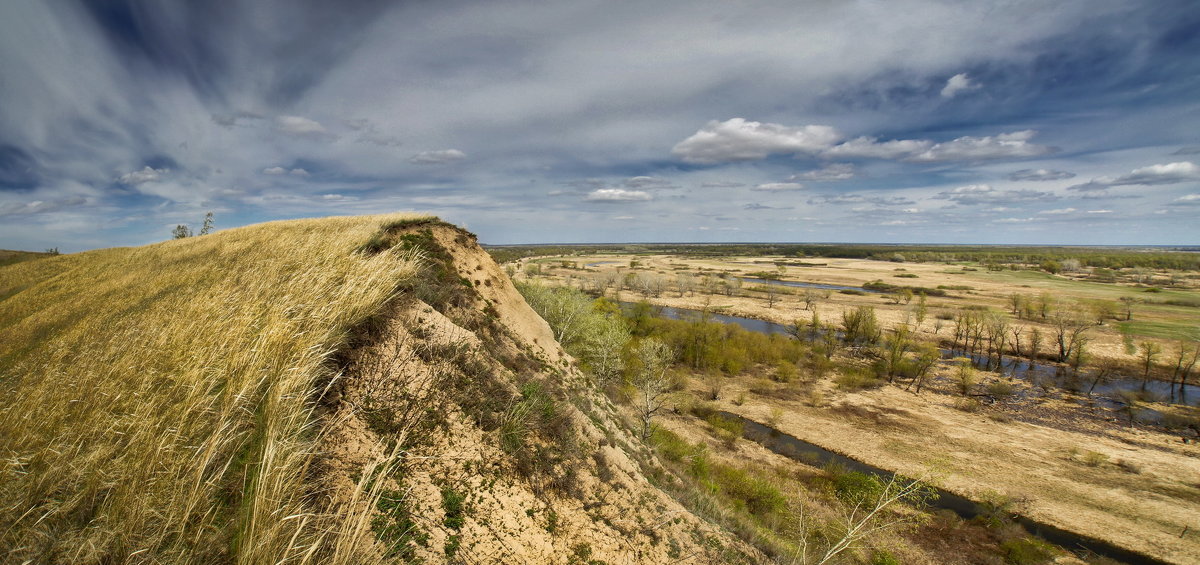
pixel 157 399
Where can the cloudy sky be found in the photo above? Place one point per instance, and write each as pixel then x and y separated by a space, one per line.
pixel 591 121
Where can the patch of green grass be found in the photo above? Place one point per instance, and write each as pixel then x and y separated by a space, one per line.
pixel 1164 330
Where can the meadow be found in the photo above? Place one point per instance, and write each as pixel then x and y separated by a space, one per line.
pixel 1118 466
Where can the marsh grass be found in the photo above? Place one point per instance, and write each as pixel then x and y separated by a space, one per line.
pixel 159 400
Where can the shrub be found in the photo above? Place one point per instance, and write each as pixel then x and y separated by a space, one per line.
pixel 1000 389
pixel 1027 551
pixel 785 372
pixel 968 405
pixel 855 488
pixel 757 495
pixel 855 379
pixel 884 557
pixel 1094 458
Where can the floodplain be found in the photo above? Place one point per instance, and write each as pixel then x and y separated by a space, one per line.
pixel 1061 391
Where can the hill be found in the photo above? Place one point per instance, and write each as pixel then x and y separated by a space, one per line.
pixel 339 390
pixel 11 257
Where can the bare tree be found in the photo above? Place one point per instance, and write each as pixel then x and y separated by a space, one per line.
pixel 651 380
pixel 772 295
pixel 861 519
pixel 1016 300
pixel 927 356
pixel 1128 302
pixel 1068 327
pixel 1148 352
pixel 1184 362
pixel 809 297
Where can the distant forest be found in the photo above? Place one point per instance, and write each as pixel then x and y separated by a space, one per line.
pixel 1184 258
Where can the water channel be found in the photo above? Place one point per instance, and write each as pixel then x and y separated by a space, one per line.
pixel 800 450
pixel 803 451
pixel 1014 367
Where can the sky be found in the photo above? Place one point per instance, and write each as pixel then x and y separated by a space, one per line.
pixel 1074 122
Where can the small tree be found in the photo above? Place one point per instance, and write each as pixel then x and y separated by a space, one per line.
pixel 651 379
pixel 181 231
pixel 810 297
pixel 922 310
pixel 1184 363
pixel 208 224
pixel 860 326
pixel 772 295
pixel 1148 352
pixel 1128 302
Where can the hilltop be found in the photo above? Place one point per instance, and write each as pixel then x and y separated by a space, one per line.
pixel 338 390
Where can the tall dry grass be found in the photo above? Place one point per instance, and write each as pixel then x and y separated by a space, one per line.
pixel 157 401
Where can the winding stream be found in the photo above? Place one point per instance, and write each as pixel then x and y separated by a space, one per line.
pixel 1014 367
pixel 800 450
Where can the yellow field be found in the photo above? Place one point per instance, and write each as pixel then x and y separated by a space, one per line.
pixel 157 399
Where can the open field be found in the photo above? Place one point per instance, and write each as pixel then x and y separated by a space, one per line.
pixel 1055 458
pixel 1164 315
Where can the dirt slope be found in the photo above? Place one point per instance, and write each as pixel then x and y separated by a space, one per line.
pixel 474 438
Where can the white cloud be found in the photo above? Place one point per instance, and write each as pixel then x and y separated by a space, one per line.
pixel 1012 220
pixel 1058 212
pixel 623 218
pixel 984 194
pixel 1099 211
pixel 1169 173
pixel 1039 175
pixel 1187 200
pixel 299 126
pixel 739 140
pixel 870 147
pixel 778 186
pixel 646 182
pixel 721 184
pixel 438 157
pixel 283 171
pixel 40 206
pixel 830 172
pixel 956 84
pixel 1012 145
pixel 145 175
pixel 617 195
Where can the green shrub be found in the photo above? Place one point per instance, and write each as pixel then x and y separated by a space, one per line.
pixel 1027 551
pixel 884 557
pixel 756 495
pixel 855 379
pixel 1000 389
pixel 853 487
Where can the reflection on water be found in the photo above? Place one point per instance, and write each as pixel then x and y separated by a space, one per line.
pixel 1013 367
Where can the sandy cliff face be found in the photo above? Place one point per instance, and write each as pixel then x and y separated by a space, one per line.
pixel 458 430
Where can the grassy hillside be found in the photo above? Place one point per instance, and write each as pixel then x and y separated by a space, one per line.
pixel 10 257
pixel 342 391
pixel 157 398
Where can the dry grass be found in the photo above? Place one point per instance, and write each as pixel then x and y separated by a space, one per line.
pixel 158 400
